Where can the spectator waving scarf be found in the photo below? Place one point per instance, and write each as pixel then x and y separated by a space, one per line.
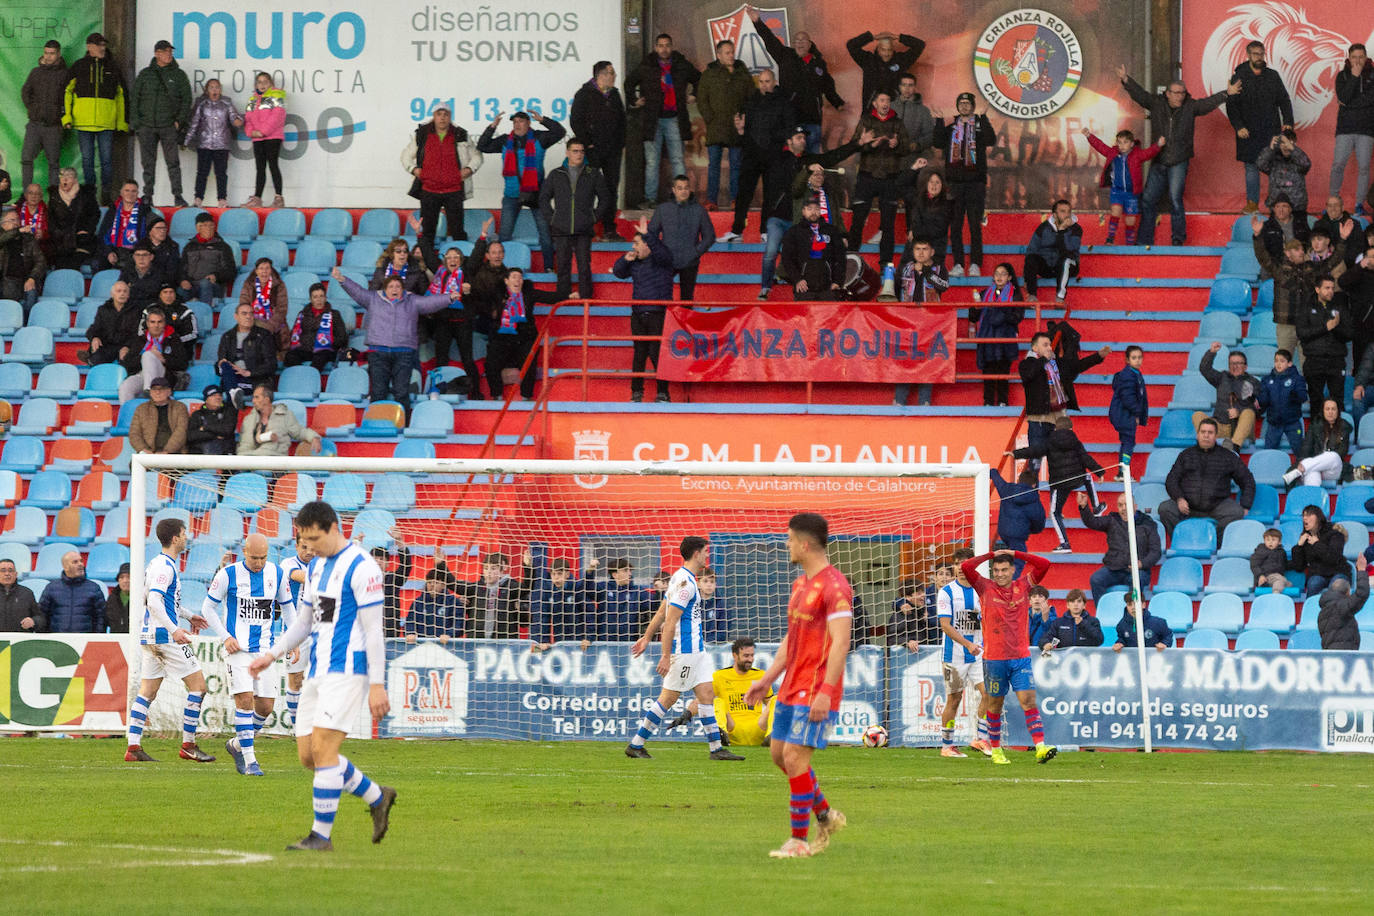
pixel 447 281
pixel 522 160
pixel 124 229
pixel 1058 400
pixel 963 145
pixel 513 314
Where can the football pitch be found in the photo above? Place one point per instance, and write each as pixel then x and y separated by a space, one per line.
pixel 482 827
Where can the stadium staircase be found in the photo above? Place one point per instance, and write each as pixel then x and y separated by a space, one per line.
pixel 1158 298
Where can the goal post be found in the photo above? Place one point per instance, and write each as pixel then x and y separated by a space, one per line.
pixel 610 527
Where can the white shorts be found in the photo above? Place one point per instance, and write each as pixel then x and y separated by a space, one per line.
pixel 169 660
pixel 959 675
pixel 331 701
pixel 688 671
pixel 240 681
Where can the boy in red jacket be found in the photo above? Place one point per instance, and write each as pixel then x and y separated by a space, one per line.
pixel 1123 174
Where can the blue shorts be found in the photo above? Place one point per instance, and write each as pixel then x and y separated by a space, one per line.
pixel 1129 203
pixel 1014 674
pixel 793 725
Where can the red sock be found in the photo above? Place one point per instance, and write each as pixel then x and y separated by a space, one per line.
pixel 1034 725
pixel 818 804
pixel 995 729
pixel 799 806
pixel 1112 223
pixel 1130 233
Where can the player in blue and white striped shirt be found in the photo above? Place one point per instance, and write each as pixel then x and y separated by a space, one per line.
pixel 685 665
pixel 340 613
pixel 961 653
pixel 293 568
pixel 166 647
pixel 252 594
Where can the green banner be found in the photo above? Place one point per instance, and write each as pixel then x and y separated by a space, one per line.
pixel 25 25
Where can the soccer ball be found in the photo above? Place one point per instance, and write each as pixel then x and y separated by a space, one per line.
pixel 875 736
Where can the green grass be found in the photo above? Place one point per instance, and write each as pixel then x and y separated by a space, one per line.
pixel 578 828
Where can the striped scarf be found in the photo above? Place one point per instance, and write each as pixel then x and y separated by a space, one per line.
pixel 522 160
pixel 393 271
pixel 157 344
pixel 262 299
pixel 993 293
pixel 963 147
pixel 37 217
pixel 818 242
pixel 126 228
pixel 513 313
pixel 824 199
pixel 1058 400
pixel 324 331
pixel 446 282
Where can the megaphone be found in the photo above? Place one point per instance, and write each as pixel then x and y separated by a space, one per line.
pixel 888 291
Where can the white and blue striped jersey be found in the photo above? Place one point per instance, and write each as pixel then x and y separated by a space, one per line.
pixel 161 601
pixel 288 566
pixel 959 605
pixel 682 593
pixel 248 603
pixel 336 589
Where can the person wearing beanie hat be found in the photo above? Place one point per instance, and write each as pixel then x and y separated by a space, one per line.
pixel 1283 226
pixel 117 604
pixel 142 276
pixel 966 141
pixel 212 426
pixel 166 253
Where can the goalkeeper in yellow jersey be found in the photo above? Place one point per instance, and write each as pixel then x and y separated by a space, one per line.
pixel 741 724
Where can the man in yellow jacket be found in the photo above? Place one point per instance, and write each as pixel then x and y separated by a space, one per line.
pixel 95 107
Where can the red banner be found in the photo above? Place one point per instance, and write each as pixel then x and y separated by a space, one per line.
pixel 810 342
pixel 1306 42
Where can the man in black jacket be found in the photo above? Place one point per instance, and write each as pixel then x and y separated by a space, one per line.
pixel 966 142
pixel 598 117
pixel 115 328
pixel 1171 114
pixel 43 95
pixel 649 267
pixel 574 199
pixel 1336 621
pixel 497 605
pixel 802 68
pixel 1262 110
pixel 19 612
pixel 247 357
pixel 884 65
pixel 207 263
pixel 1116 562
pixel 1199 483
pixel 158 353
pixel 768 118
pixel 813 256
pixel 685 229
pixel 1325 344
pixel 1048 383
pixel 662 87
pixel 211 429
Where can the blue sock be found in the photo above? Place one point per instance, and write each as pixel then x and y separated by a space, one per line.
pixel 258 722
pixel 355 781
pixel 190 719
pixel 653 718
pixel 293 698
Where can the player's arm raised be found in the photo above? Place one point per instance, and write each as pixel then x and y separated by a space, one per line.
pixel 764 685
pixel 970 568
pixel 1039 566
pixel 838 628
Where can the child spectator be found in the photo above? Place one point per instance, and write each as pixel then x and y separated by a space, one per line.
pixel 1070 467
pixel 211 134
pixel 1123 173
pixel 1282 394
pixel 1269 562
pixel 1157 632
pixel 1075 628
pixel 1130 406
pixel 1042 615
pixel 1021 513
pixel 997 321
pixel 264 121
pixel 1292 273
pixel 1287 166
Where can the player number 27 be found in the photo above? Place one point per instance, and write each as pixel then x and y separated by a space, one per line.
pixel 686 670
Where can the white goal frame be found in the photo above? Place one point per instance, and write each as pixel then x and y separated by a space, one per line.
pixel 141 464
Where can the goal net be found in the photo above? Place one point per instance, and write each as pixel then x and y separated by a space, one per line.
pixel 514 589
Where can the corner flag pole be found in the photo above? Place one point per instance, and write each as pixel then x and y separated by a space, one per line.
pixel 1139 603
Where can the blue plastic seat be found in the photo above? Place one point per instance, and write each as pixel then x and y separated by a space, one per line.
pixel 409 448
pixel 273 249
pixel 332 225
pixel 430 420
pixel 1221 611
pixel 1176 430
pixel 298 283
pixel 183 224
pixel 125 416
pixel 65 284
pixel 361 254
pixel 1180 574
pixel 202 561
pixel 245 491
pixel 33 346
pixel 37 417
pixel 345 492
pixel 1229 295
pixel 1241 231
pixel 1260 357
pixel 380 226
pixel 1160 461
pixel 1148 496
pixel 22 454
pixel 20 556
pixel 296 407
pixel 1110 610
pixel 1350 503
pixel 316 256
pixel 1192 392
pixel 1175 607
pixel 16 381
pixel 1364 436
pixel 1268 465
pixel 394 493
pixel 53 314
pixel 306 490
pixel 101 284
pixel 226 524
pixel 374 526
pixel 1257 639
pixel 1265 508
pixel 287 224
pixel 104 560
pixel 1305 641
pixel 204 315
pixel 1356 539
pixel 196 492
pixel 299 382
pixel 107 495
pixel 1273 612
pixel 473 220
pixel 380 420
pixel 27 525
pixel 1241 538
pixel 49 490
pixel 11 316
pixel 1230 575
pixel 1220 326
pixel 1262 330
pixel 1239 262
pixel 1194 537
pixel 103 381
pixel 518 254
pixel 238 224
pixel 49 562
pixel 1301 497
pixel 347 383
pixel 58 380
